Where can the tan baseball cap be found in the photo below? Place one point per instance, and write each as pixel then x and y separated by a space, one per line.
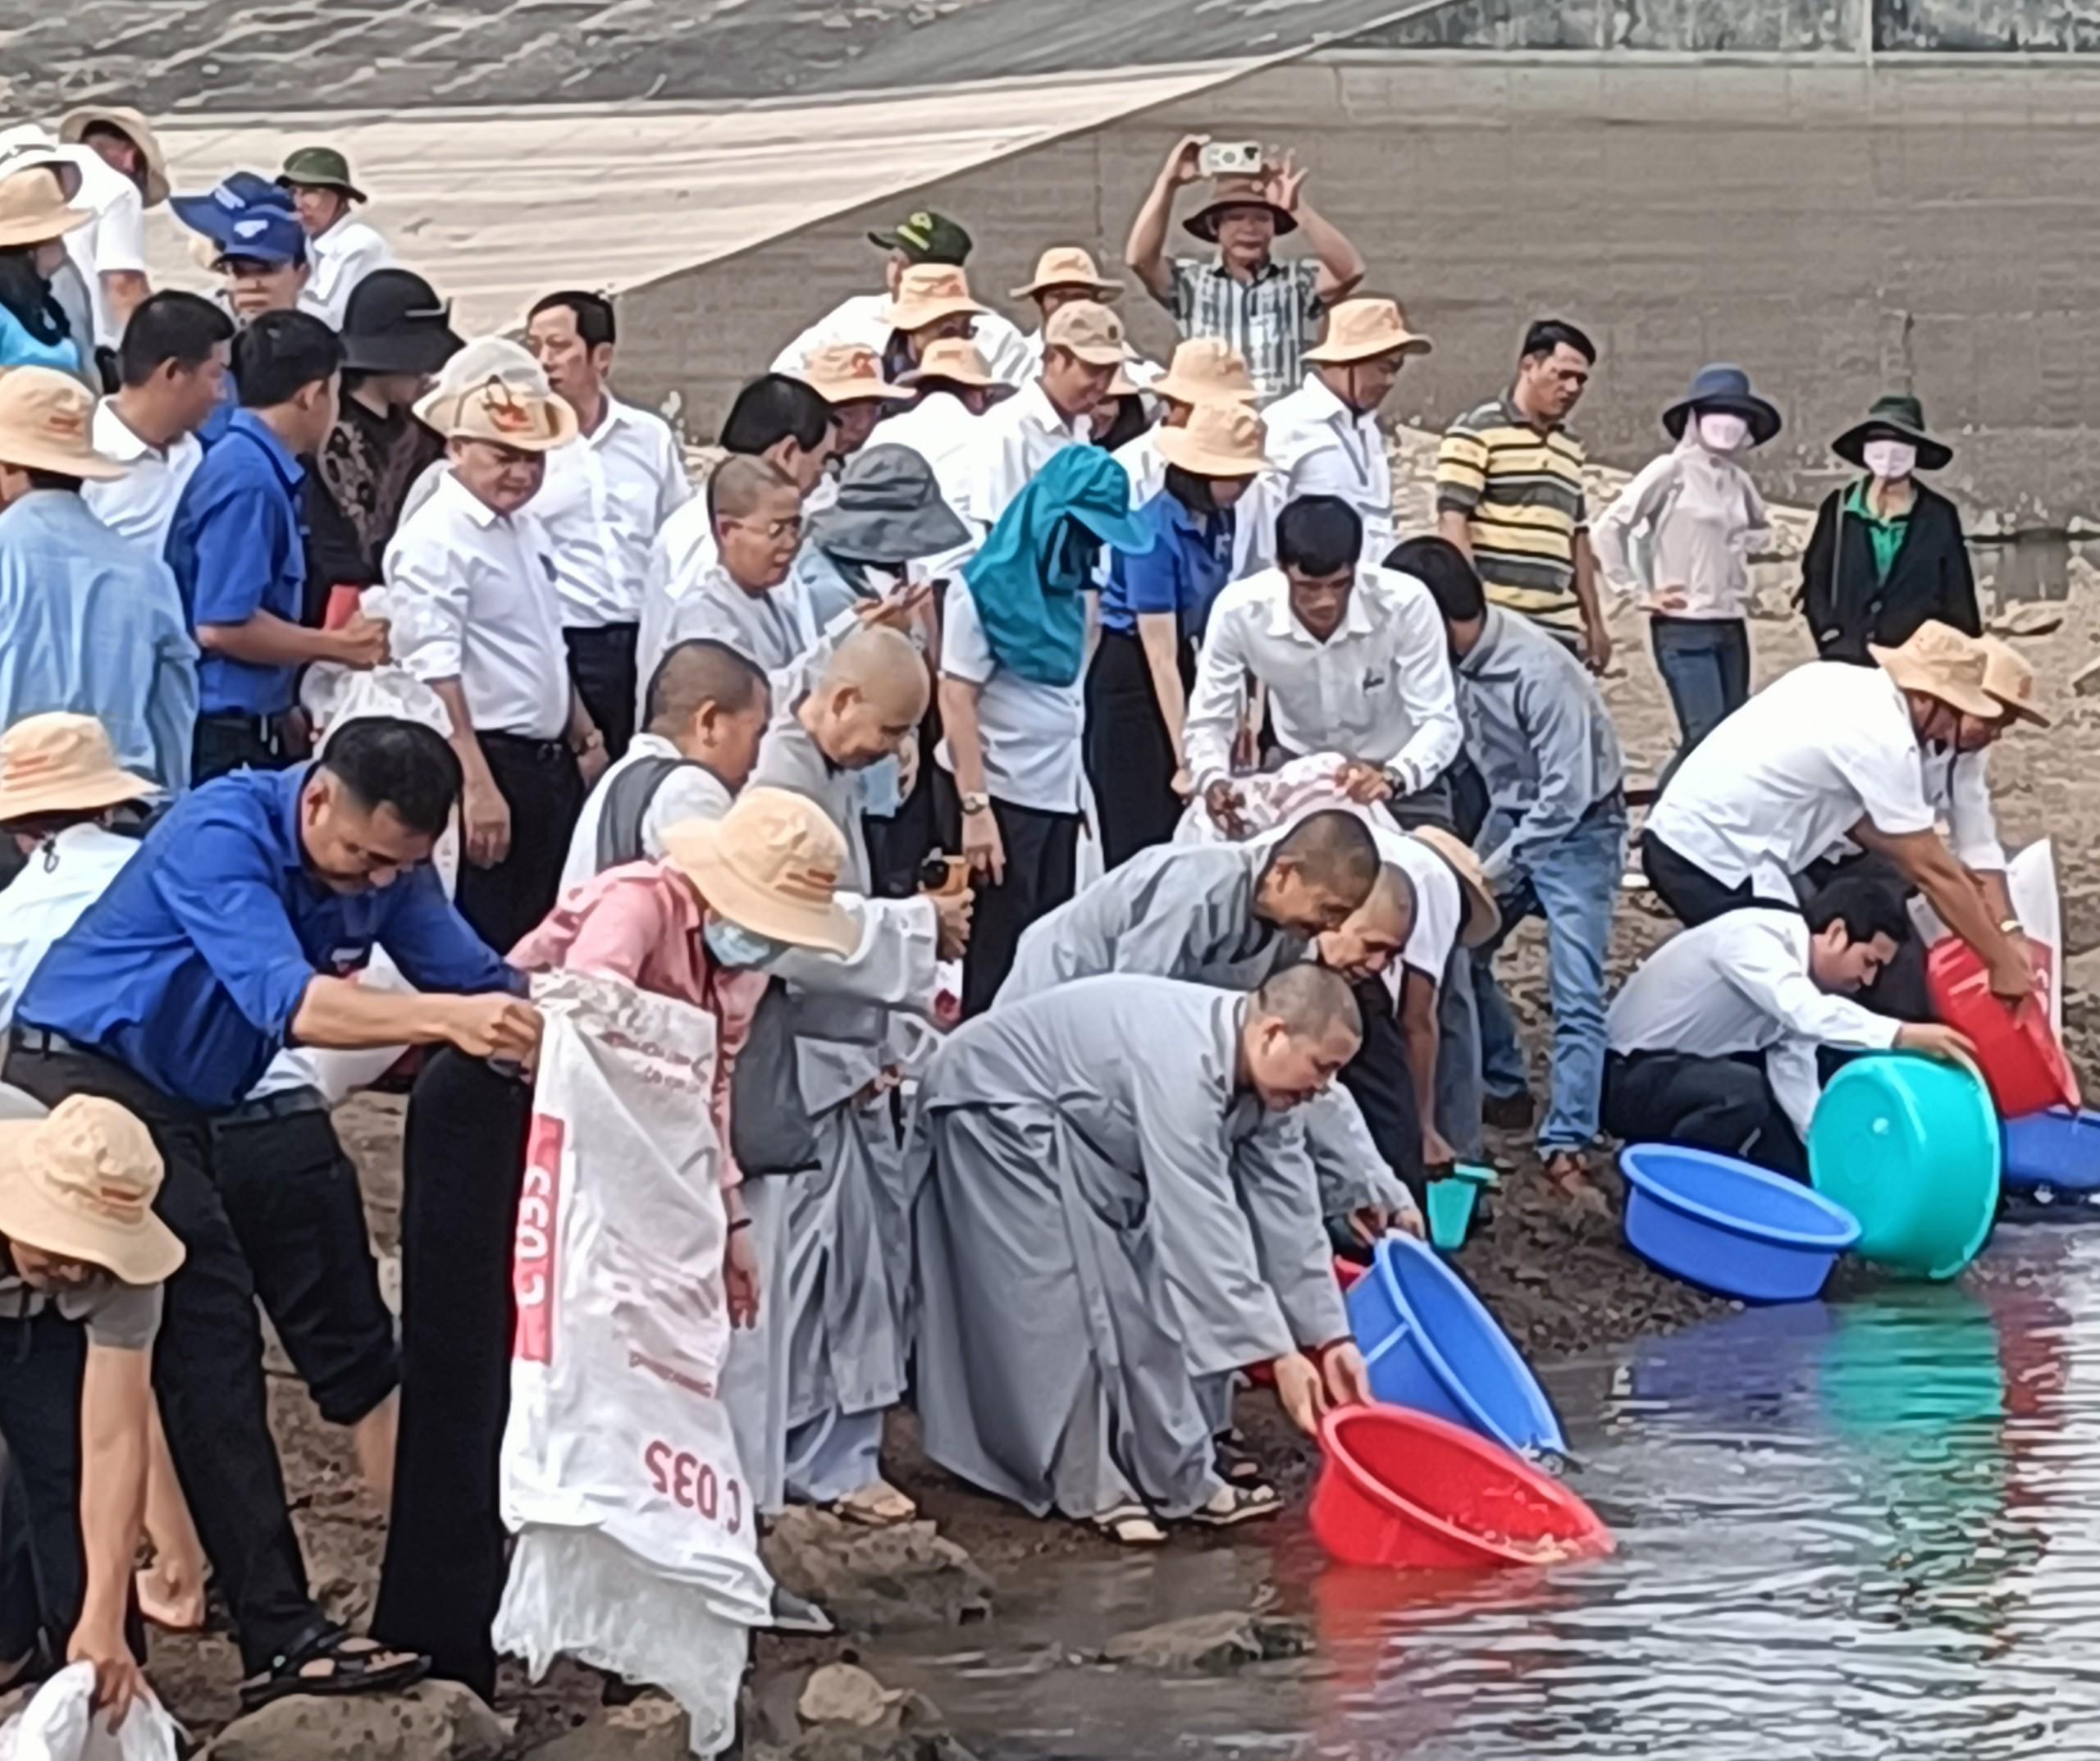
pixel 502 413
pixel 2009 677
pixel 1068 266
pixel 1206 370
pixel 1089 330
pixel 1940 662
pixel 847 373
pixel 45 415
pixel 926 293
pixel 770 864
pixel 956 359
pixel 1366 329
pixel 63 763
pixel 81 1183
pixel 1220 439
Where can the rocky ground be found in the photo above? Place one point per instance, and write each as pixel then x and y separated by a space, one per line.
pixel 1560 1285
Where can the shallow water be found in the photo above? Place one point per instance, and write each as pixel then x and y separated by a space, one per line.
pixel 1861 1529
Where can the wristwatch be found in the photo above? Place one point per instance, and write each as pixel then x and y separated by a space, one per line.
pixel 1398 781
pixel 973 804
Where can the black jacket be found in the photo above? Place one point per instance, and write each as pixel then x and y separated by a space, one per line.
pixel 1848 608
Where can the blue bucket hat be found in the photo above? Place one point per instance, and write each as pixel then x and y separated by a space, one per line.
pixel 1726 389
pixel 246 216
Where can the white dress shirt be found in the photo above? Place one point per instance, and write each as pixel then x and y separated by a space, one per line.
pixel 1253 515
pixel 337 260
pixel 859 321
pixel 476 601
pixel 1787 776
pixel 1321 447
pixel 1016 439
pixel 939 428
pixel 1739 983
pixel 603 502
pixel 691 791
pixel 1029 733
pixel 140 504
pixel 1378 690
pixel 113 242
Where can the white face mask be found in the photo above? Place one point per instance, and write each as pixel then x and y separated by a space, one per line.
pixel 1719 432
pixel 1890 460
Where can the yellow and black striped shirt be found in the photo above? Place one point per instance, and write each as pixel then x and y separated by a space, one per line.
pixel 1521 492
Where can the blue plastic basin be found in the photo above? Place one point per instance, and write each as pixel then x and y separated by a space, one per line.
pixel 1724 1224
pixel 1431 1344
pixel 2057 1148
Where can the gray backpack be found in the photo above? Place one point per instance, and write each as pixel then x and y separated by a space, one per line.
pixel 770 1130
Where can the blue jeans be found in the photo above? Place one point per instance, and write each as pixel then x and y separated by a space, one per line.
pixel 1573 884
pixel 1706 666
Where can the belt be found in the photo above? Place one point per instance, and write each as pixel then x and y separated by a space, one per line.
pixel 267 729
pixel 526 743
pixel 43 1040
pixel 287 1104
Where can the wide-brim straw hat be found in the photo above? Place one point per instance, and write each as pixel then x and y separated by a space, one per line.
pixel 926 293
pixel 33 207
pixel 1068 266
pixel 2009 677
pixel 1206 370
pixel 79 1184
pixel 1940 662
pixel 60 762
pixel 1219 440
pixel 1483 913
pixel 500 414
pixel 44 425
pixel 848 373
pixel 74 125
pixel 1366 329
pixel 772 866
pixel 1895 416
pixel 1236 191
pixel 958 361
pixel 1726 389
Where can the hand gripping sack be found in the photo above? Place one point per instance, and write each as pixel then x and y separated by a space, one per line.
pixel 60 1724
pixel 637 1538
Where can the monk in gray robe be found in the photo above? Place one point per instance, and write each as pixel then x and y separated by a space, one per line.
pixel 1111 1191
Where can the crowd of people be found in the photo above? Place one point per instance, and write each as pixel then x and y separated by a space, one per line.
pixel 1085 828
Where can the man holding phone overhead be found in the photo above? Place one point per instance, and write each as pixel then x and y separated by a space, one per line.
pixel 1267 309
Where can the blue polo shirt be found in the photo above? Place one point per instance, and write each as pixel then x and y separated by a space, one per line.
pixel 1187 568
pixel 238 546
pixel 189 969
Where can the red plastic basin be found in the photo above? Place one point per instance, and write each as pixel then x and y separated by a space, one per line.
pixel 2019 1057
pixel 1403 1488
pixel 1346 1273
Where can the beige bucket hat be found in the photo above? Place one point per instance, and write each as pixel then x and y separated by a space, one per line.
pixel 81 1183
pixel 32 208
pixel 1483 915
pixel 1089 330
pixel 770 864
pixel 848 373
pixel 1237 190
pixel 45 415
pixel 74 126
pixel 926 293
pixel 1206 370
pixel 1220 439
pixel 503 414
pixel 1366 329
pixel 2009 677
pixel 1068 266
pixel 954 359
pixel 63 763
pixel 1943 663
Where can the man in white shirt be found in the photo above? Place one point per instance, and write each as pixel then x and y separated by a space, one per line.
pixel 122 174
pixel 1355 660
pixel 1324 437
pixel 1713 1040
pixel 1082 365
pixel 1831 750
pixel 341 248
pixel 922 238
pixel 478 619
pixel 954 388
pixel 849 378
pixel 172 365
pixel 1066 275
pixel 604 501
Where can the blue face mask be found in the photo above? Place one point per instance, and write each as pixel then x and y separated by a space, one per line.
pixel 882 789
pixel 735 946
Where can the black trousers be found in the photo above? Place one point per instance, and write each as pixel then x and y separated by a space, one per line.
pixel 44 1559
pixel 1693 895
pixel 207 1362
pixel 1041 873
pixel 539 780
pixel 1382 1081
pixel 1129 759
pixel 224 743
pixel 601 663
pixel 1725 1105
pixel 463 1163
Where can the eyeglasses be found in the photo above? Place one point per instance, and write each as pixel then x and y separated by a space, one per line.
pixel 774 530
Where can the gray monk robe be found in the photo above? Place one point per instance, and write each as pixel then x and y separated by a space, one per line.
pixel 808 1387
pixel 1096 1213
pixel 1187 911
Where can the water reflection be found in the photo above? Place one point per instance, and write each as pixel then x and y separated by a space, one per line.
pixel 2032 569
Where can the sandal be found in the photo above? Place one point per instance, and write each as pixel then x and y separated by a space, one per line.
pixel 878 1505
pixel 1235 1504
pixel 333 1663
pixel 1131 1525
pixel 1236 1467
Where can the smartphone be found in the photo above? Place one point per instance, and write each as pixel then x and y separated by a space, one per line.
pixel 1240 157
pixel 943 876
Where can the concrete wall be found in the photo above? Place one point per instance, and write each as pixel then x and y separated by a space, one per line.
pixel 1711 27
pixel 1837 227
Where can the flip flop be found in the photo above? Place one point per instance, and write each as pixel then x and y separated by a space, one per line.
pixel 876 1505
pixel 1131 1525
pixel 1236 1504
pixel 333 1664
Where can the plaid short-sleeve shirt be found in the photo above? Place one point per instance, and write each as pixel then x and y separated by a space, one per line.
pixel 1269 320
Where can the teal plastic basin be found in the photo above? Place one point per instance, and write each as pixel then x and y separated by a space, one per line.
pixel 1910 1148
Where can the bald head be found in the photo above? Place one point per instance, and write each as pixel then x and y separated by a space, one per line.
pixel 756 511
pixel 1301 1027
pixel 739 486
pixel 1312 1002
pixel 1321 871
pixel 870 699
pixel 1376 931
pixel 711 703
